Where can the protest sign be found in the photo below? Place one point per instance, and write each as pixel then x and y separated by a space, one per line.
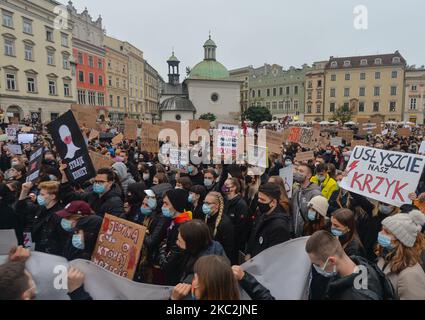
pixel 368 126
pixel 422 148
pixel 386 176
pixel 287 174
pixel 306 137
pixel 294 135
pixel 336 141
pixel 346 135
pixel 130 129
pixel 24 138
pixel 72 148
pixel 304 156
pixel 228 135
pixel 7 241
pixel 15 149
pixel 118 139
pixel 258 156
pixel 94 134
pixel 118 246
pixel 34 165
pixel 4 138
pixel 151 131
pixel 85 116
pixel 356 143
pixel 151 146
pixel 179 158
pixel 100 161
pixel 26 129
pixel 198 124
pixel 274 141
pixel 403 132
pixel 11 132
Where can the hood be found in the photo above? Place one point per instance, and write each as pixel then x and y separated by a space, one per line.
pixel 215 249
pixel 120 169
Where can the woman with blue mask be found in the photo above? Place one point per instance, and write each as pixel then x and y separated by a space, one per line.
pixel 400 247
pixel 196 198
pixel 317 216
pixel 210 179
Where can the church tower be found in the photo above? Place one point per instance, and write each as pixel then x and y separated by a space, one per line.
pixel 173 70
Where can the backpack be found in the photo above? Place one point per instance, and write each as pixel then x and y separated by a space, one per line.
pixel 388 292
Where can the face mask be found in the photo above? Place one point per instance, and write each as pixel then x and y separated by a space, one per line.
pixel 53 178
pixel 167 213
pixel 41 201
pixel 328 151
pixel 66 225
pixel 190 170
pixel 264 207
pixel 146 211
pixel 385 241
pixel 77 242
pixel 312 215
pixel 146 177
pixel 225 189
pixel 152 203
pixel 298 177
pixel 206 209
pixel 288 163
pixel 324 273
pixel 346 158
pixel 337 233
pixel 99 188
pixel 208 182
pixel 14 163
pixel 386 210
pixel 321 179
pixel 190 199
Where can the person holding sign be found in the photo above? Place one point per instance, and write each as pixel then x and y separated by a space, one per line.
pixel 327 184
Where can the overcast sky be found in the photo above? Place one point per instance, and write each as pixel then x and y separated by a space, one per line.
pixel 254 32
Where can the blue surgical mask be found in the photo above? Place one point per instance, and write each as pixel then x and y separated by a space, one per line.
pixel 152 203
pixel 77 241
pixel 288 163
pixel 385 241
pixel 146 211
pixel 208 182
pixel 66 225
pixel 321 178
pixel 206 209
pixel 99 188
pixel 190 199
pixel 324 273
pixel 53 178
pixel 41 201
pixel 190 170
pixel 312 215
pixel 166 212
pixel 386 210
pixel 337 233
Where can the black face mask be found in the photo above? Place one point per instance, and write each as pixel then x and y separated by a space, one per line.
pixel 264 207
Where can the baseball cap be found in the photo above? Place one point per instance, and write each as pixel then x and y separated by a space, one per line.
pixel 75 208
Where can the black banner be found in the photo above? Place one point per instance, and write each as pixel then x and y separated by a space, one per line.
pixel 72 148
pixel 34 166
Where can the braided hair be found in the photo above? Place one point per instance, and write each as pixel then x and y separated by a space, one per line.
pixel 220 200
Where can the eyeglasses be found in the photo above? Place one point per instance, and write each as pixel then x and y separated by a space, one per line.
pixel 99 181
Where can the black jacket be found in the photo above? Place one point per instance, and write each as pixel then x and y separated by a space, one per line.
pixel 157 231
pixel 132 168
pixel 254 289
pixel 269 230
pixel 342 288
pixel 197 179
pixel 80 295
pixel 355 248
pixel 225 233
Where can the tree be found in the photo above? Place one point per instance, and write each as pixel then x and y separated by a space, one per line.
pixel 258 115
pixel 208 116
pixel 342 115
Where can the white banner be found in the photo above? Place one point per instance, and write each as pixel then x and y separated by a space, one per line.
pixel 287 174
pixel 386 176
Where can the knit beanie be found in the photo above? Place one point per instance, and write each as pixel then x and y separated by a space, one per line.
pixel 405 227
pixel 320 204
pixel 178 199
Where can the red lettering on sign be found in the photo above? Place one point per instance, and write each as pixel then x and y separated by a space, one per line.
pixel 397 191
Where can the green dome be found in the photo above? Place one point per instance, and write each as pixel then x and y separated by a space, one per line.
pixel 209 69
pixel 210 43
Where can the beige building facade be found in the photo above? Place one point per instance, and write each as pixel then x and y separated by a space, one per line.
pixel 314 92
pixel 415 96
pixel 152 93
pixel 136 70
pixel 243 75
pixel 37 75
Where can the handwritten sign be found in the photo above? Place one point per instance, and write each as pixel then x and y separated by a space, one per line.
pixel 403 132
pixel 100 161
pixel 34 166
pixel 227 139
pixel 346 135
pixel 287 174
pixel 304 156
pixel 130 128
pixel 336 141
pixel 356 143
pixel 118 246
pixel 118 139
pixel 274 141
pixel 386 176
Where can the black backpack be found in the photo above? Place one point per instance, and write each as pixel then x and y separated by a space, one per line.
pixel 388 292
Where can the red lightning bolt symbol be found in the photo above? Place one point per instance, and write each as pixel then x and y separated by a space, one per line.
pixel 352 166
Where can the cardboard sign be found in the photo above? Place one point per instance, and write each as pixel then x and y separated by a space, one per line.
pixel 94 134
pixel 72 148
pixel 100 161
pixel 306 137
pixel 11 133
pixel 356 143
pixel 85 116
pixel 151 146
pixel 386 176
pixel 274 141
pixel 336 141
pixel 294 135
pixel 15 149
pixel 34 165
pixel 403 132
pixel 24 138
pixel 118 139
pixel 130 129
pixel 179 158
pixel 118 246
pixel 198 124
pixel 26 129
pixel 287 174
pixel 346 135
pixel 151 131
pixel 367 126
pixel 304 156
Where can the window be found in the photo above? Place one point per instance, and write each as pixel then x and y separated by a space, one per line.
pixel 347 63
pixel 310 84
pixel 378 61
pixel 393 91
pixel 288 104
pixel 80 58
pixel 92 98
pixel 319 94
pixel 268 92
pixel 274 92
pixel 288 90
pixel 64 39
pixel 318 108
pixel 332 107
pixel 376 107
pixel 9 47
pixel 91 63
pixel 347 76
pixel 109 63
pixel 91 78
pixel 361 106
pixel 29 52
pixel 414 88
pixel 100 81
pixel 99 64
pixel 333 93
pixel 319 83
pixel 310 95
pixel 377 91
pixel 101 99
pixel 214 97
pixel 31 84
pixel 110 81
pixel 11 81
pixel 394 74
pixel 50 58
pixel 413 103
pixel 363 62
pixel 118 102
pixel 363 76
pixel 393 106
pixel 49 34
pixel 66 90
pixel 27 26
pixel 309 108
pixel 296 104
pixel 334 64
pixel 259 93
pixel 296 90
pixel 346 92
pixel 377 75
pixel 7 19
pixel 81 97
pixel 333 77
pixel 253 93
pixel 346 106
pixel 81 76
pixel 65 60
pixel 125 84
pixel 281 105
pixel 268 105
pixel 111 100
pixel 362 92
pixel 396 60
pixel 52 87
pixel 274 105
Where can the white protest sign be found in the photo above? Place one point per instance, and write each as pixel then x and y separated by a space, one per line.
pixel 179 158
pixel 386 176
pixel 287 174
pixel 227 139
pixel 422 148
pixel 258 156
pixel 25 138
pixel 15 149
pixel 11 133
pixel 336 141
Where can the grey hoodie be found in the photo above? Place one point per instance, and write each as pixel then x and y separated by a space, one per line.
pixel 300 200
pixel 125 178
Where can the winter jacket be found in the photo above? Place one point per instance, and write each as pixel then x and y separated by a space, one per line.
pixel 80 294
pixel 197 179
pixel 269 230
pixel 355 248
pixel 329 186
pixel 225 233
pixel 254 289
pixel 300 199
pixel 125 178
pixel 409 284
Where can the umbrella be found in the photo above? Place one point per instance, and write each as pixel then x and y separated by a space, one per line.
pixel 324 123
pixel 350 123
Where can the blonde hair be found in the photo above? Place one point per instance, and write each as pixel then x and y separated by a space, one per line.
pixel 52 187
pixel 220 201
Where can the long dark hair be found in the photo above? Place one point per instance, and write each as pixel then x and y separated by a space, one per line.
pixel 347 218
pixel 197 236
